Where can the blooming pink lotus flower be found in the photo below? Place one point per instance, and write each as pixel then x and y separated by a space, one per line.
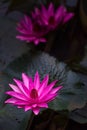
pixel 51 17
pixel 29 94
pixel 31 31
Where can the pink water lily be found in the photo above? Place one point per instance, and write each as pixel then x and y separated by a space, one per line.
pixel 42 21
pixel 29 94
pixel 30 31
pixel 51 17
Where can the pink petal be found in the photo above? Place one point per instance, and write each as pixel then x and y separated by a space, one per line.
pixel 44 10
pixel 23 24
pixel 27 108
pixel 28 22
pixel 23 31
pixel 55 90
pixel 17 95
pixel 51 10
pixel 36 81
pixel 31 84
pixel 27 38
pixel 44 15
pixel 50 86
pixel 34 105
pixel 42 40
pixel 16 101
pixel 25 80
pixel 48 98
pixel 15 88
pixel 44 105
pixel 21 102
pixel 11 100
pixel 67 17
pixel 37 11
pixel 22 87
pixel 60 13
pixel 43 84
pixel 48 89
pixel 33 15
pixel 36 110
pixel 36 42
pixel 45 20
pixel 19 106
pixel 21 37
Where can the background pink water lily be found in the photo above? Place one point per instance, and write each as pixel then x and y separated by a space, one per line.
pixel 30 31
pixel 34 28
pixel 52 17
pixel 29 94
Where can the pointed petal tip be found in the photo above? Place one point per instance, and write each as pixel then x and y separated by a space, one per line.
pixel 51 5
pixel 6 101
pixel 68 16
pixel 25 110
pixel 72 15
pixel 19 106
pixel 10 84
pixel 47 76
pixel 10 100
pixel 36 111
pixel 27 17
pixel 43 105
pixel 60 87
pixel 17 37
pixel 17 81
pixel 7 92
pixel 24 75
pixel 14 79
pixel 61 8
pixel 37 73
pixel 36 42
pixel 55 81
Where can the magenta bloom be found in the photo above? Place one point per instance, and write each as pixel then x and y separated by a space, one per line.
pixel 30 94
pixel 41 22
pixel 31 31
pixel 51 17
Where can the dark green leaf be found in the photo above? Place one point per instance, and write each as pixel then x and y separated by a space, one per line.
pixel 25 121
pixel 12 117
pixel 80 115
pixel 4 80
pixel 37 61
pixel 73 94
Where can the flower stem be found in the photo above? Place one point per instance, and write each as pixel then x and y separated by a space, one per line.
pixel 30 121
pixel 49 43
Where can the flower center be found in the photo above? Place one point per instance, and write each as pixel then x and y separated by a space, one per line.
pixel 34 94
pixel 51 20
pixel 36 28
